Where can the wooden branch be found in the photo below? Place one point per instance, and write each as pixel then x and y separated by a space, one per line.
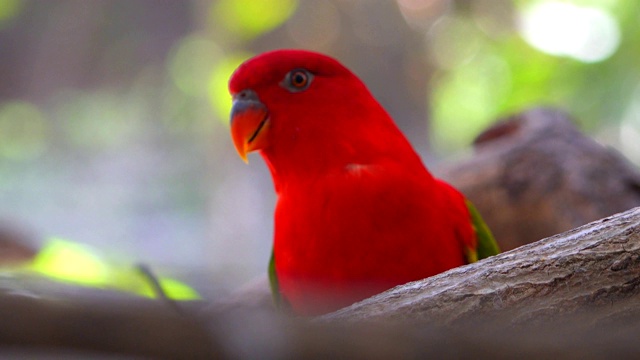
pixel 15 243
pixel 36 314
pixel 594 266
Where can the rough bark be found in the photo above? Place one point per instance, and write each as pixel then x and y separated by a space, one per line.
pixel 593 267
pixel 15 244
pixel 34 322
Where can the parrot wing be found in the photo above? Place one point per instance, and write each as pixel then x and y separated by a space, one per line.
pixel 273 281
pixel 486 245
pixel 279 301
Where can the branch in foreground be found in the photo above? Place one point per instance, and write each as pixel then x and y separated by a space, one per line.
pixel 595 267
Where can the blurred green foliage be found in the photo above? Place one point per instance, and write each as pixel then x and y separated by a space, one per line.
pixel 9 9
pixel 499 73
pixel 74 263
pixel 484 69
pixel 249 18
pixel 218 89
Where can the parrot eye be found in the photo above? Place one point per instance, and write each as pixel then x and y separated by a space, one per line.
pixel 297 80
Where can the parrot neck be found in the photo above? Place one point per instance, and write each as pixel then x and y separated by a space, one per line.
pixel 309 158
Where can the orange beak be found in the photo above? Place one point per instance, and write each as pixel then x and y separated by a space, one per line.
pixel 249 123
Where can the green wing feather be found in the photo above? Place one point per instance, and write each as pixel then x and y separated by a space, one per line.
pixel 273 281
pixel 280 302
pixel 486 244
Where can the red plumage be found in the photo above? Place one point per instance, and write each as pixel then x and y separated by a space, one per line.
pixel 357 211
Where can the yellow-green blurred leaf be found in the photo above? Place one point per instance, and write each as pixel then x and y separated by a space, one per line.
pixel 467 99
pixel 250 18
pixel 71 262
pixel 78 264
pixel 218 84
pixel 9 9
pixel 177 290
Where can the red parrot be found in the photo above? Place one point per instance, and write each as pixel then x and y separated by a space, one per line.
pixel 357 212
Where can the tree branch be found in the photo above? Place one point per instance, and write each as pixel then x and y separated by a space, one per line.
pixel 593 266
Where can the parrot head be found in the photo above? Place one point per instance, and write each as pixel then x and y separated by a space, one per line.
pixel 279 86
pixel 297 105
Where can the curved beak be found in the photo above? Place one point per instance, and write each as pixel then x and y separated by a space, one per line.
pixel 249 123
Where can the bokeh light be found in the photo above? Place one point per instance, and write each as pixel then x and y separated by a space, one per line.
pixel 24 131
pixel 250 18
pixel 9 9
pixel 630 128
pixel 587 34
pixel 100 120
pixel 465 102
pixel 191 61
pixel 218 84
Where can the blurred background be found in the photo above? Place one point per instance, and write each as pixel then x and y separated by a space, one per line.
pixel 113 113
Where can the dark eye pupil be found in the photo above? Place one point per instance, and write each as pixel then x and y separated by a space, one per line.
pixel 299 79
